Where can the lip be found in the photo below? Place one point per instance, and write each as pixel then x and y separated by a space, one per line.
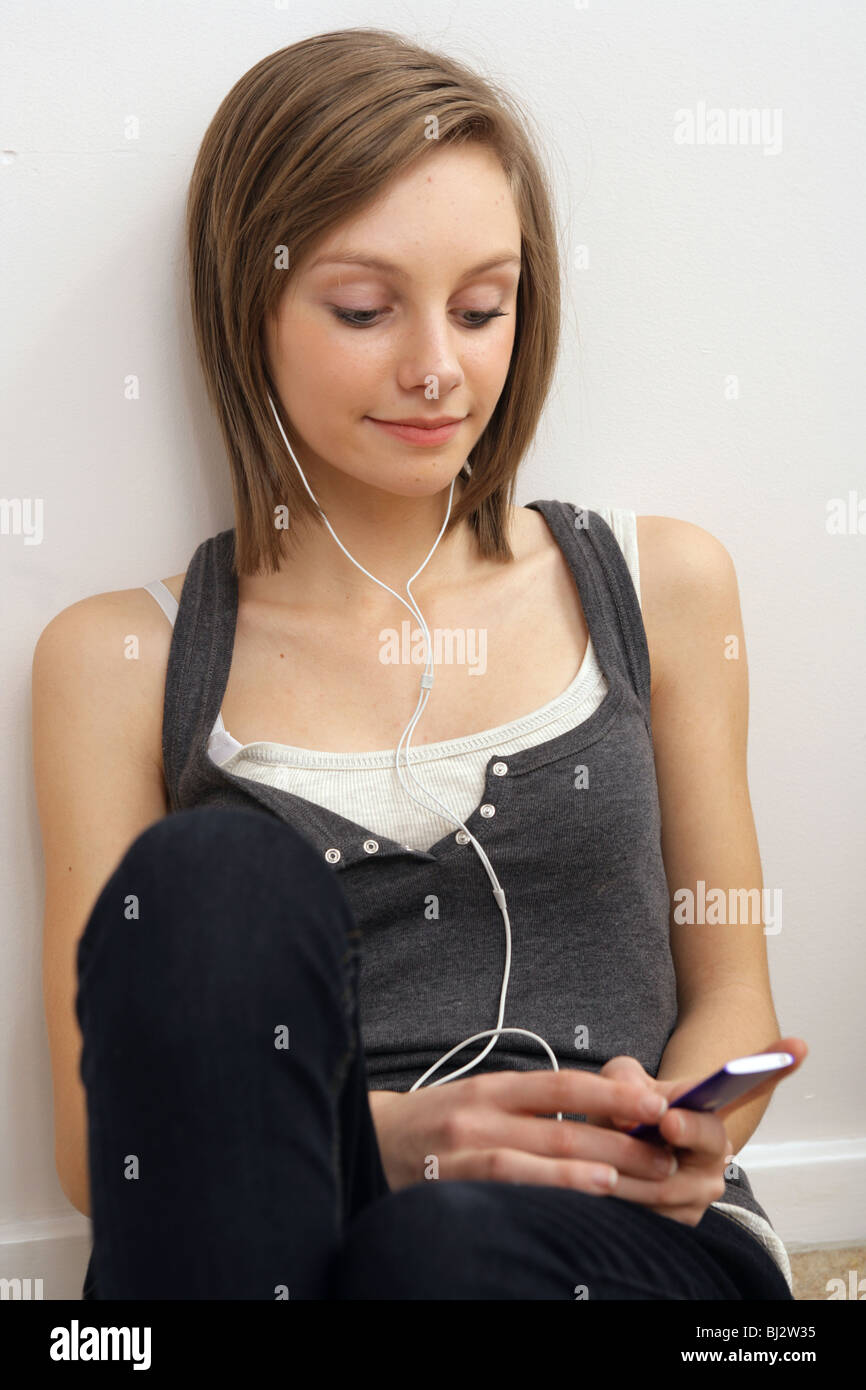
pixel 425 435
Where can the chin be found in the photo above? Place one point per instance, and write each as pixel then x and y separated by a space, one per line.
pixel 414 482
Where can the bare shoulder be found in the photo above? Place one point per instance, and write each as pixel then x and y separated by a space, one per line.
pixel 677 555
pixel 688 584
pixel 111 649
pixel 101 619
pixel 680 562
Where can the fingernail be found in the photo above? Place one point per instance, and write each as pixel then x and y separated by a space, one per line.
pixel 605 1178
pixel 666 1165
pixel 653 1107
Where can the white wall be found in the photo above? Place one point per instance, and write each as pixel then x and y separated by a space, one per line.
pixel 704 262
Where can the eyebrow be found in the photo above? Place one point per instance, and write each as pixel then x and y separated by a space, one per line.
pixel 376 263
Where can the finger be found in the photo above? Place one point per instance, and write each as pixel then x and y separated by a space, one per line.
pixel 571 1090
pixel 685 1189
pixel 650 1106
pixel 695 1136
pixel 625 1068
pixel 644 1096
pixel 515 1166
pixel 567 1140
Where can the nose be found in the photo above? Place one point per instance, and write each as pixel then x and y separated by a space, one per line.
pixel 429 356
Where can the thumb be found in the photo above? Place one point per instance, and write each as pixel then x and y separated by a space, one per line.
pixel 626 1068
pixel 623 1068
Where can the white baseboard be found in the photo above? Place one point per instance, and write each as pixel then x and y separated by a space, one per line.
pixel 53 1249
pixel 812 1192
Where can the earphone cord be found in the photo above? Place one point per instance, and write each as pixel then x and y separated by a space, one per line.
pixel 426 686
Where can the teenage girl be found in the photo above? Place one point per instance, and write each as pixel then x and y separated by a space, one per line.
pixel 256 941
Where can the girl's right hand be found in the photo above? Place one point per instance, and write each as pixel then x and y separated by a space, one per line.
pixel 493 1127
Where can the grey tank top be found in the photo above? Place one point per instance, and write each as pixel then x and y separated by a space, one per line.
pixel 571 826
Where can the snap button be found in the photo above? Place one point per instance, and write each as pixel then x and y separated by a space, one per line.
pixel 488 810
pixel 333 855
pixel 371 846
pixel 500 769
pixel 461 837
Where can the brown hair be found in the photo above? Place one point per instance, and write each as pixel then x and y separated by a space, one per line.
pixel 301 142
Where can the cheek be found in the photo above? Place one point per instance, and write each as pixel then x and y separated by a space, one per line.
pixel 486 363
pixel 321 365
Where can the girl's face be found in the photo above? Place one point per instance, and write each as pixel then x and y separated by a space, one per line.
pixel 425 333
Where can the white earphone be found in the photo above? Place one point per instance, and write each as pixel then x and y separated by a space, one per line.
pixel 426 685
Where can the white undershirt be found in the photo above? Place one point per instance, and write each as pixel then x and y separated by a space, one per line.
pixel 365 786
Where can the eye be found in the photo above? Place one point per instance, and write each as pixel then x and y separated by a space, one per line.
pixel 357 318
pixel 353 316
pixel 484 316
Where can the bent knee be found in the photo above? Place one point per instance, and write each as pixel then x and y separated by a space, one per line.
pixel 234 850
pixel 211 837
pixel 206 874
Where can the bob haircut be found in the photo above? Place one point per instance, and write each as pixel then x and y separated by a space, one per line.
pixel 303 141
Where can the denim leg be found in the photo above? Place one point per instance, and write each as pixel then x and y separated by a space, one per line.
pixel 451 1240
pixel 229 1131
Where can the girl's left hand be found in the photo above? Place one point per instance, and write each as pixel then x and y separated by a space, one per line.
pixel 699 1141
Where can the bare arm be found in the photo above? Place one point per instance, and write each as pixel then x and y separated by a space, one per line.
pixel 97 720
pixel 700 707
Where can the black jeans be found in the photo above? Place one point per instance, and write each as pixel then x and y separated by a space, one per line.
pixel 232 1152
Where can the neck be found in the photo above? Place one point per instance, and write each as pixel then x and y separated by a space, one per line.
pixel 390 536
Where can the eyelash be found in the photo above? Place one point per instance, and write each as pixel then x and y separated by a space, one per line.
pixel 349 316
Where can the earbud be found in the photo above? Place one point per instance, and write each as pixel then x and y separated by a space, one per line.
pixel 426 686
